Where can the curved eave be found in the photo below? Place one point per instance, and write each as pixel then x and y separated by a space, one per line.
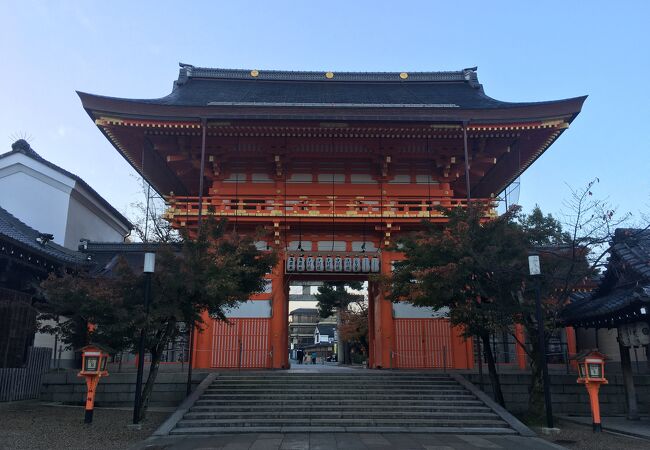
pixel 96 105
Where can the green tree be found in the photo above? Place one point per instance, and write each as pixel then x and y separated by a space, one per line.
pixel 471 266
pixel 478 268
pixel 350 309
pixel 214 271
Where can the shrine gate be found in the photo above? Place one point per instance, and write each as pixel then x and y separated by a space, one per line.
pixel 333 166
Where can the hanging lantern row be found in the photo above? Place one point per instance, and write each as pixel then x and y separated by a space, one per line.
pixel 332 264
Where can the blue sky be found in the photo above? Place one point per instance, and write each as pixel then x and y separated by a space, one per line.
pixel 525 51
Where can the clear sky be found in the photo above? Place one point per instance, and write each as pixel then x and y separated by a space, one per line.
pixel 525 51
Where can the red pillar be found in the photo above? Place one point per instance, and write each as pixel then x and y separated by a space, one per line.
pixel 279 318
pixel 571 345
pixel 521 354
pixel 384 324
pixel 202 357
pixel 462 356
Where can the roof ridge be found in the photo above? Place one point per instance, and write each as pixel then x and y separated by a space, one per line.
pixel 188 71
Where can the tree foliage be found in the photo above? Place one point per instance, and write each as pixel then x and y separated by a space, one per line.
pixel 478 267
pixel 351 310
pixel 212 272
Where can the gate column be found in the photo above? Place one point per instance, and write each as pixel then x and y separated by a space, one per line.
pixel 279 329
pixel 382 322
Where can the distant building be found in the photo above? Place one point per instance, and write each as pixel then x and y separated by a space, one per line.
pixel 302 323
pixel 325 332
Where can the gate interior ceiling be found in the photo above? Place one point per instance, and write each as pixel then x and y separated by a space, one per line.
pixel 341 163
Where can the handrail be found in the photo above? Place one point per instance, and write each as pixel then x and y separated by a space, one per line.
pixel 316 205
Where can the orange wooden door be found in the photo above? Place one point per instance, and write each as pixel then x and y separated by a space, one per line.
pixel 422 343
pixel 242 343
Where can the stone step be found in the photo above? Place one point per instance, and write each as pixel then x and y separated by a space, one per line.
pixel 361 402
pixel 480 423
pixel 332 378
pixel 282 402
pixel 342 390
pixel 355 414
pixel 369 407
pixel 335 385
pixel 243 395
pixel 207 430
pixel 400 385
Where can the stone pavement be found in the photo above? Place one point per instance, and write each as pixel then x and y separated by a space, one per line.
pixel 636 428
pixel 347 441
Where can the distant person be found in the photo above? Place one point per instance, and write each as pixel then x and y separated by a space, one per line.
pixel 299 356
pixel 314 355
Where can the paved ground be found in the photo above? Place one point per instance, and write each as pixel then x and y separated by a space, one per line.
pixel 640 428
pixel 581 437
pixel 327 367
pixel 347 441
pixel 34 426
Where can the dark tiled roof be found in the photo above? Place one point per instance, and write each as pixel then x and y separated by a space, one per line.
pixel 619 301
pixel 326 328
pixel 16 232
pixel 105 255
pixel 305 311
pixel 632 247
pixel 629 256
pixel 22 146
pixel 198 86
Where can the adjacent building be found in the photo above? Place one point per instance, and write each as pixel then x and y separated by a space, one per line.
pixel 45 212
pixel 52 200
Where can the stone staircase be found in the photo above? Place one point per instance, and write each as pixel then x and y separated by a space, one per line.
pixel 360 401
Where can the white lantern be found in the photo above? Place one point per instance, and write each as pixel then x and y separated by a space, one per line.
pixel 365 264
pixel 338 264
pixel 347 265
pixel 329 264
pixel 356 265
pixel 374 265
pixel 291 264
pixel 300 264
pixel 319 264
pixel 310 264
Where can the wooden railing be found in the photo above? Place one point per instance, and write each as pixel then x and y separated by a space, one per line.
pixel 314 206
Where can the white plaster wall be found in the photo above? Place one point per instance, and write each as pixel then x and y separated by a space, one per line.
pixel 607 343
pixel 38 199
pixel 250 309
pixel 47 340
pixel 89 220
pixel 404 310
